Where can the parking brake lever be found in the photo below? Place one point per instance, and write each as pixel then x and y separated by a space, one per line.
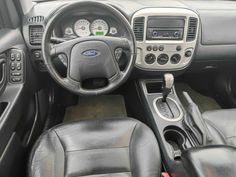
pixel 195 122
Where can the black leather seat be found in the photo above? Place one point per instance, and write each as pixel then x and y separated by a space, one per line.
pixel 210 161
pixel 101 148
pixel 222 126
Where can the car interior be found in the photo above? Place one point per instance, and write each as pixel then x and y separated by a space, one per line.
pixel 117 88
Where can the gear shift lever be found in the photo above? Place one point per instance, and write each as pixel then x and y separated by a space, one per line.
pixel 168 82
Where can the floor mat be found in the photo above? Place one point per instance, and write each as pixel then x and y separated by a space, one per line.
pixel 204 103
pixel 96 107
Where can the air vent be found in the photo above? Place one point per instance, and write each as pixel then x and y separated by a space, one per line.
pixel 36 19
pixel 36 34
pixel 192 29
pixel 139 28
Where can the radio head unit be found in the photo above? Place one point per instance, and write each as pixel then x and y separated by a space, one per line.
pixel 165 28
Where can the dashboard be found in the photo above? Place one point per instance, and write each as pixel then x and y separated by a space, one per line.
pixel 170 35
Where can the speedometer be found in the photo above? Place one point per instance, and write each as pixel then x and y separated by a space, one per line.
pixel 82 28
pixel 99 27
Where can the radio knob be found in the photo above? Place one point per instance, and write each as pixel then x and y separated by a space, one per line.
pixel 175 59
pixel 150 58
pixel 178 48
pixel 155 33
pixel 188 53
pixel 162 59
pixel 176 33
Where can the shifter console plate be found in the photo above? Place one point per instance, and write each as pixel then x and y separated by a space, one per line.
pixel 169 110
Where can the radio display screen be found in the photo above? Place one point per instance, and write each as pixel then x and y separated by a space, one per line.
pixel 165 28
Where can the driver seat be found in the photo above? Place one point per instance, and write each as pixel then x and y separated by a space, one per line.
pixel 97 148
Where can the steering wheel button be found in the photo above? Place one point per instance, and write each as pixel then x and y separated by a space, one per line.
pixel 118 53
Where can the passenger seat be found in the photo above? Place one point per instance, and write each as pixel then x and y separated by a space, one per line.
pixel 222 126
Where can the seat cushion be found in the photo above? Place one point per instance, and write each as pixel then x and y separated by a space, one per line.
pixel 222 125
pixel 97 148
pixel 210 161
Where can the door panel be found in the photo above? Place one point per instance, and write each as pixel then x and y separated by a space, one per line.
pixel 17 88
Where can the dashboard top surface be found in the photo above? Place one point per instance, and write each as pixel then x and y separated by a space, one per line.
pixel 212 42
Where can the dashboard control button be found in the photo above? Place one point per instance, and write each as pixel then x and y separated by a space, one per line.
pixel 149 48
pixel 176 34
pixel 175 59
pixel 155 33
pixel 150 58
pixel 162 59
pixel 161 47
pixel 188 53
pixel 155 48
pixel 37 54
pixel 178 48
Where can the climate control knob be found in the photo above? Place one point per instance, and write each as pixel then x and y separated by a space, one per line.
pixel 162 59
pixel 150 58
pixel 175 58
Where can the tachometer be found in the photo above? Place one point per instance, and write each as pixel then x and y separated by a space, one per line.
pixel 99 27
pixel 82 28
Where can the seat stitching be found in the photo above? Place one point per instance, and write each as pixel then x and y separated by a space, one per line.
pixel 229 137
pixel 130 147
pixel 62 148
pixel 98 149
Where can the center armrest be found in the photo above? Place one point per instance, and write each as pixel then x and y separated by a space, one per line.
pixel 211 161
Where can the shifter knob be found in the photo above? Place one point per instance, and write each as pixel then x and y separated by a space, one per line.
pixel 168 82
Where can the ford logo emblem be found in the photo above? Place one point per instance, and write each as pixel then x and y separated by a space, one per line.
pixel 91 53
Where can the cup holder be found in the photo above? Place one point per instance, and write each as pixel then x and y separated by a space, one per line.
pixel 176 138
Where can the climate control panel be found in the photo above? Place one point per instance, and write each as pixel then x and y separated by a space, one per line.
pixel 166 38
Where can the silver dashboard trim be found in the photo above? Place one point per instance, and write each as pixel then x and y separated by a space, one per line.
pixel 170 45
pixel 181 115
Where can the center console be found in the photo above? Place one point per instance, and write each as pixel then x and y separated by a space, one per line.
pixel 177 128
pixel 166 38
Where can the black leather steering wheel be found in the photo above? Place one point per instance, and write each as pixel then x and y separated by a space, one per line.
pixel 90 57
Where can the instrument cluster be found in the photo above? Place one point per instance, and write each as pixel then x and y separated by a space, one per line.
pixel 83 27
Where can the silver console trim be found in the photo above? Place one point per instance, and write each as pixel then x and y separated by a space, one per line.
pixel 181 115
pixel 170 45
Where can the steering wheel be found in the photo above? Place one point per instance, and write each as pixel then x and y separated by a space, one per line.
pixel 90 57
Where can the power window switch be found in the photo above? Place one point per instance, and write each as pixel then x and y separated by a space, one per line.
pixel 18 66
pixel 16 79
pixel 12 66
